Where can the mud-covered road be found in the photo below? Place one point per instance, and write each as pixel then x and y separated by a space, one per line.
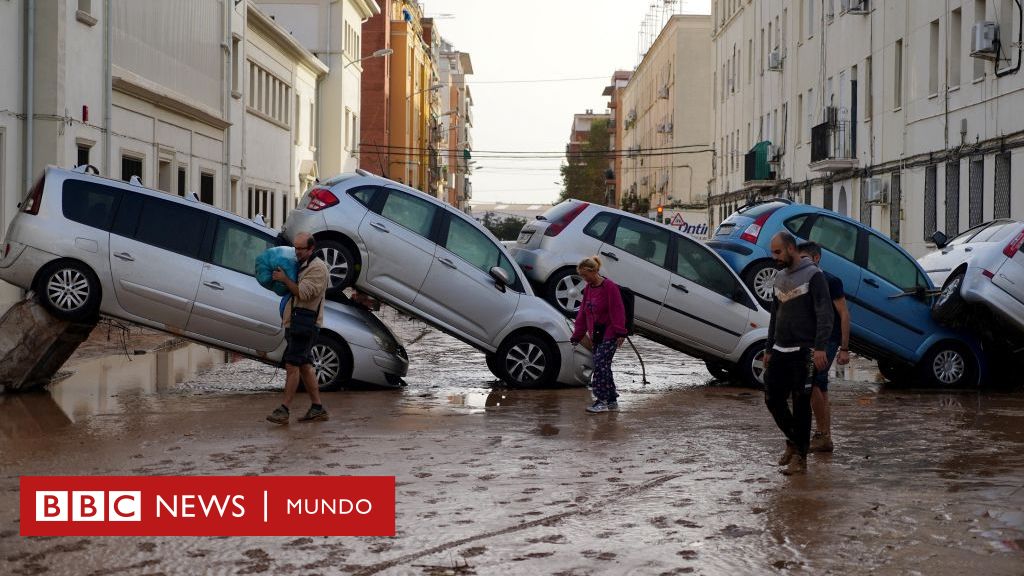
pixel 492 480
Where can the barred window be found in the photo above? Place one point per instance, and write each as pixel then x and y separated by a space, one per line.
pixel 895 197
pixel 1001 198
pixel 269 95
pixel 930 202
pixel 952 198
pixel 975 195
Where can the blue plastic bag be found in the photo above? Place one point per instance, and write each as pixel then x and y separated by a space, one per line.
pixel 282 257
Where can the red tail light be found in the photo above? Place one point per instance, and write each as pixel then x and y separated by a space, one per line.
pixel 754 230
pixel 1014 245
pixel 320 198
pixel 557 226
pixel 35 198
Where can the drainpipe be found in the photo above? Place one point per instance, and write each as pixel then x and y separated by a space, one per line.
pixel 1020 47
pixel 226 107
pixel 30 80
pixel 108 93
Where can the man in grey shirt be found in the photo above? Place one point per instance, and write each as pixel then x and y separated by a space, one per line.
pixel 801 322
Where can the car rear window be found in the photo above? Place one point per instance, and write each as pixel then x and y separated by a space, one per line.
pixel 997 232
pixel 758 209
pixel 90 203
pixel 599 225
pixel 559 211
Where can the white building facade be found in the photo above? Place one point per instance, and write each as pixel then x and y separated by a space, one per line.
pixel 667 141
pixel 873 108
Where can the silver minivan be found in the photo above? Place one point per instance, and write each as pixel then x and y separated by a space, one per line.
pixel 686 296
pixel 434 262
pixel 89 245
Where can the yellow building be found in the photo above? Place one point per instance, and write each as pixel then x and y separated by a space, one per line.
pixel 411 96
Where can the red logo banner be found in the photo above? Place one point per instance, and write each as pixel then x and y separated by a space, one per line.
pixel 207 505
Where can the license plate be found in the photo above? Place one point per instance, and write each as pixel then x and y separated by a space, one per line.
pixel 524 237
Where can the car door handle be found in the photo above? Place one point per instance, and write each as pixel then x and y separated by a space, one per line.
pixel 680 287
pixel 124 256
pixel 380 226
pixel 871 282
pixel 446 262
pixel 610 255
pixel 214 285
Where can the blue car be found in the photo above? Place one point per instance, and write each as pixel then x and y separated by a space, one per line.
pixel 888 294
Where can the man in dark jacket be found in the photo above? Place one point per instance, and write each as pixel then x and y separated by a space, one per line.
pixel 801 323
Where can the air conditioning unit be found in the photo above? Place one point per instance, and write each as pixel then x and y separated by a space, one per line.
pixel 855 6
pixel 984 37
pixel 775 60
pixel 877 192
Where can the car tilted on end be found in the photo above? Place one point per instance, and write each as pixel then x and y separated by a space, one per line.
pixel 686 297
pixel 432 261
pixel 89 245
pixel 888 294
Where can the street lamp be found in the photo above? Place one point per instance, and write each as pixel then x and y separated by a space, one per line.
pixel 376 54
pixel 434 87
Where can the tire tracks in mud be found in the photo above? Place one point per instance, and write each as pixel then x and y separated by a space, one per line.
pixel 549 520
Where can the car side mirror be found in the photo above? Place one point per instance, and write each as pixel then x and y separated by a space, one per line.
pixel 500 277
pixel 940 239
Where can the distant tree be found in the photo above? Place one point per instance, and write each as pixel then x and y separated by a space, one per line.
pixel 583 178
pixel 503 228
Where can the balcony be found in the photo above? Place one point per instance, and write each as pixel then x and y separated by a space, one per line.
pixel 757 172
pixel 832 147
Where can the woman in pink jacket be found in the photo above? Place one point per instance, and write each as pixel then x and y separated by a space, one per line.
pixel 602 320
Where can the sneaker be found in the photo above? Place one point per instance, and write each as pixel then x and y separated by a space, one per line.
pixel 278 416
pixel 797 465
pixel 613 406
pixel 597 407
pixel 787 455
pixel 314 414
pixel 821 442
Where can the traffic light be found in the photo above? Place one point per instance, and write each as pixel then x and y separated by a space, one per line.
pixel 661 213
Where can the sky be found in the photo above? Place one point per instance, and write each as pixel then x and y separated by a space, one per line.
pixel 514 45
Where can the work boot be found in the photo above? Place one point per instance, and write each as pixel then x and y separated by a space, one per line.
pixel 821 442
pixel 787 455
pixel 797 465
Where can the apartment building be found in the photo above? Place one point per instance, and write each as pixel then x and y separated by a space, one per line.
pixel 667 141
pixel 619 80
pixel 898 114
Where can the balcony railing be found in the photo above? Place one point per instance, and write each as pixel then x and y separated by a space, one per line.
pixel 757 172
pixel 831 147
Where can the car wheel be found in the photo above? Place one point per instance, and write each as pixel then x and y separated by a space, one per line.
pixel 527 360
pixel 950 307
pixel 751 367
pixel 340 262
pixel 893 371
pixel 69 290
pixel 760 278
pixel 718 370
pixel 332 362
pixel 493 366
pixel 565 291
pixel 949 365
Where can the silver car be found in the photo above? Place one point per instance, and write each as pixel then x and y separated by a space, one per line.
pixel 434 262
pixel 983 266
pixel 89 245
pixel 687 297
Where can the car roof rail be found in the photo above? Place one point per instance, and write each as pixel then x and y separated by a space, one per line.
pixel 765 201
pixel 86 169
pixel 362 172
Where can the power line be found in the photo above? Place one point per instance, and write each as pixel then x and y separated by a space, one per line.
pixel 535 81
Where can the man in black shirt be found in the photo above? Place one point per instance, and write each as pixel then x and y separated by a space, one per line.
pixel 801 321
pixel 838 349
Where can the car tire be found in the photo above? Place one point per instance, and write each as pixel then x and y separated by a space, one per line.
pixel 332 362
pixel 340 262
pixel 564 290
pixel 950 308
pixel 751 368
pixel 760 278
pixel 894 371
pixel 527 360
pixel 718 370
pixel 949 364
pixel 69 290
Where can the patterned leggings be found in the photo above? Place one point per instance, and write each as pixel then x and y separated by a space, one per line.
pixel 602 384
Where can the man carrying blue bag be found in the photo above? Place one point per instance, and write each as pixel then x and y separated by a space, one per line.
pixel 302 319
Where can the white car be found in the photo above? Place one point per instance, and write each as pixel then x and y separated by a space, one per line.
pixel 984 266
pixel 687 297
pixel 89 245
pixel 436 263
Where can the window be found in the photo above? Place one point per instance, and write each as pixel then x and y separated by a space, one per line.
pixel 1007 18
pixel 130 166
pixel 467 242
pixel 355 133
pixel 979 63
pixel 952 198
pixel 89 203
pixel 955 49
pixel 236 246
pixel 364 195
pixel 1001 195
pixel 810 18
pixel 163 175
pixel 697 264
pixel 85 6
pixel 599 225
pixel 869 95
pixel 895 204
pixel 930 202
pixel 406 210
pixel 836 236
pixel 897 75
pixel 297 126
pixel 182 180
pixel 348 128
pixel 933 58
pixel 206 187
pixel 887 261
pixel 269 95
pixel 171 226
pixel 312 125
pixel 975 192
pixel 83 155
pixel 642 240
pixel 799 116
pixel 236 67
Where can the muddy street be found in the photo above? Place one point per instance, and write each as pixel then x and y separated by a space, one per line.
pixel 493 480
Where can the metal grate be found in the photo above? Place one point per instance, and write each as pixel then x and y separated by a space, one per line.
pixel 1001 200
pixel 807 193
pixel 930 201
pixel 865 208
pixel 827 202
pixel 952 198
pixel 975 194
pixel 895 199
